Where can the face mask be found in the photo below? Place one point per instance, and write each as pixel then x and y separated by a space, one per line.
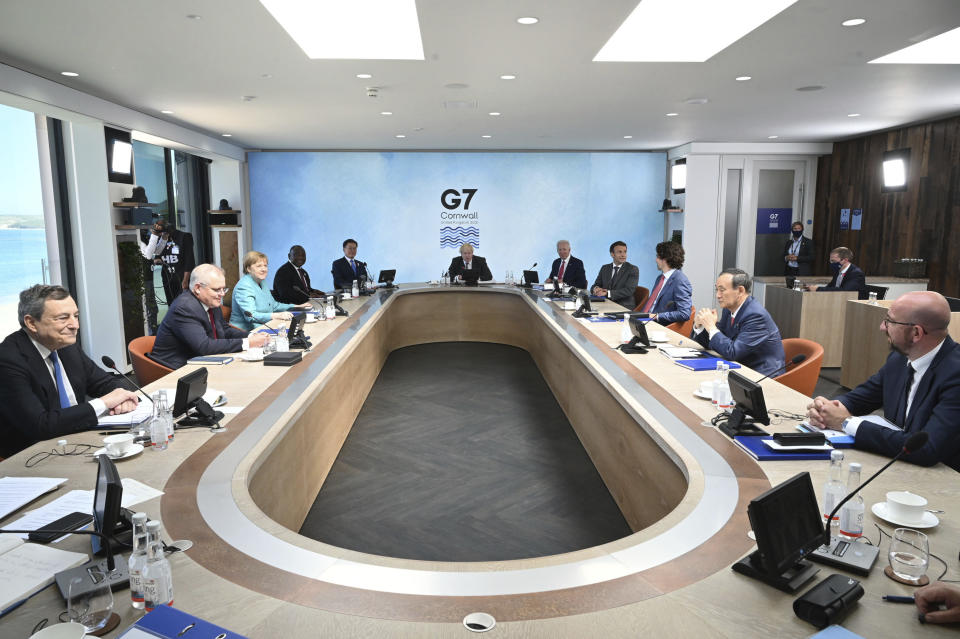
pixel 797 234
pixel 834 267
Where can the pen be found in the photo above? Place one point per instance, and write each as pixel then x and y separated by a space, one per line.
pixel 898 599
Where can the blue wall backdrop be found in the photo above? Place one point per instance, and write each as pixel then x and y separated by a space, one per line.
pixel 393 205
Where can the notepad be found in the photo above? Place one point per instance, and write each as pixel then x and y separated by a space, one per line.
pixel 26 569
pixel 212 360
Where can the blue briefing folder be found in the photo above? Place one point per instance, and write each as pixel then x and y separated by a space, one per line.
pixel 164 622
pixel 755 447
pixel 703 363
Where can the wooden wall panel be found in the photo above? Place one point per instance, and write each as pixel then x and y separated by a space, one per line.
pixel 923 221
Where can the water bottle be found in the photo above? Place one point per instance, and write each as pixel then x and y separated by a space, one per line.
pixel 717 384
pixel 158 425
pixel 157 578
pixel 321 312
pixel 331 310
pixel 355 291
pixel 283 340
pixel 138 559
pixel 724 398
pixel 166 412
pixel 851 515
pixel 796 285
pixel 873 298
pixel 833 491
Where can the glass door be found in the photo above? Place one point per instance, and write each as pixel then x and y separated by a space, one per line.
pixel 775 202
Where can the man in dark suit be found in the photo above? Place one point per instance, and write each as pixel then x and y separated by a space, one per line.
pixel 744 331
pixel 918 387
pixel 670 297
pixel 292 274
pixel 348 267
pixel 797 254
pixel 47 378
pixel 618 280
pixel 846 276
pixel 566 268
pixel 194 323
pixel 467 264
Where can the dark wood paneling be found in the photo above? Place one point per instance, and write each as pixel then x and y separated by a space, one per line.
pixel 923 221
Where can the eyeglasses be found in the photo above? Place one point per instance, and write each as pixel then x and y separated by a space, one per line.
pixel 887 320
pixel 219 291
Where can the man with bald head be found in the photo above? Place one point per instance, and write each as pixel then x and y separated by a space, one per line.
pixel 918 388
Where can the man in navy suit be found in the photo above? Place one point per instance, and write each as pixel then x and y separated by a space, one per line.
pixel 744 332
pixel 566 268
pixel 918 387
pixel 47 379
pixel 468 264
pixel 194 323
pixel 846 276
pixel 670 296
pixel 348 267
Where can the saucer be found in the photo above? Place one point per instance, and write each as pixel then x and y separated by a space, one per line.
pixel 663 340
pixel 697 393
pixel 136 449
pixel 929 519
pixel 247 357
pixel 311 318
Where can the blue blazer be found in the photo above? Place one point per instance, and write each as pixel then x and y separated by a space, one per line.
pixel 254 298
pixel 574 275
pixel 753 340
pixel 185 332
pixel 677 290
pixel 935 408
pixel 343 274
pixel 853 280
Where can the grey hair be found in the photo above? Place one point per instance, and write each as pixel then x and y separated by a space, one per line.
pixel 559 242
pixel 201 274
pixel 740 278
pixel 33 299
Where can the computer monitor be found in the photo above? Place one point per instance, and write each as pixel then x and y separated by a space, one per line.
pixel 639 339
pixel 788 525
pixel 750 407
pixel 386 277
pixel 190 390
pixel 106 503
pixel 531 277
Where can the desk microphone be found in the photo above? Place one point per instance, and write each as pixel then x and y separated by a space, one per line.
pixel 913 443
pixel 340 310
pixel 795 360
pixel 109 363
pixel 524 276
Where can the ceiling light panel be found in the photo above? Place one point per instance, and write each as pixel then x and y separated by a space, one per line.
pixel 353 30
pixel 941 49
pixel 649 34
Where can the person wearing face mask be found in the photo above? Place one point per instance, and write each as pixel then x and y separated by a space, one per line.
pixel 797 254
pixel 846 275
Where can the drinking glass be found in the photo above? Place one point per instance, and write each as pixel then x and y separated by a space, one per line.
pixel 909 554
pixel 90 607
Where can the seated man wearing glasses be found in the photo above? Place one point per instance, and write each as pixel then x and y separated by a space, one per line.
pixel 918 388
pixel 194 324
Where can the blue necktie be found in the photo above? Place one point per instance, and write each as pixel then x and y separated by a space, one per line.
pixel 58 373
pixel 353 265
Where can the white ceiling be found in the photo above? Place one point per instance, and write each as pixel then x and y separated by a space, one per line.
pixel 146 54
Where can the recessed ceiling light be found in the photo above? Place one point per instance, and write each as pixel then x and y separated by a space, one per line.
pixel 166 111
pixel 400 136
pixel 772 137
pixel 226 135
pixel 671 115
pixel 628 137
pixel 486 137
pixel 194 16
pixel 386 113
pixel 364 76
pixel 853 22
pixel 941 49
pixel 812 87
pixel 744 78
pixel 508 77
pixel 494 113
pixel 70 74
pixel 696 101
pixel 528 20
pixel 266 76
pixel 649 32
pixel 369 30
pixel 853 115
pixel 247 98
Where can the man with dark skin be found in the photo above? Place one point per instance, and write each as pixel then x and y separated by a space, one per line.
pixel 292 274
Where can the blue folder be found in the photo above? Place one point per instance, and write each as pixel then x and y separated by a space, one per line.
pixel 755 447
pixel 166 622
pixel 703 363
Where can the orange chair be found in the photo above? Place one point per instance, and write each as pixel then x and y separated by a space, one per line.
pixel 803 376
pixel 640 295
pixel 684 328
pixel 146 369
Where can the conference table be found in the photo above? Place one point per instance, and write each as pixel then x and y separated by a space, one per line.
pixel 683 487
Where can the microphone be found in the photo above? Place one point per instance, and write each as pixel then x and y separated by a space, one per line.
pixel 253 319
pixel 524 276
pixel 297 289
pixel 913 443
pixel 796 360
pixel 109 363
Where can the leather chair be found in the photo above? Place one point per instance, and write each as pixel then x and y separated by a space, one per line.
pixel 640 295
pixel 802 377
pixel 684 328
pixel 146 369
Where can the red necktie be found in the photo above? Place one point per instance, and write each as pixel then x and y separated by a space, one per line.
pixel 653 296
pixel 563 266
pixel 212 323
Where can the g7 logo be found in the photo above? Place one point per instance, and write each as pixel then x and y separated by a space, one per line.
pixel 450 199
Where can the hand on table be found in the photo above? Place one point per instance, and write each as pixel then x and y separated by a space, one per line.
pixel 930 598
pixel 827 413
pixel 120 400
pixel 256 340
pixel 305 306
pixel 283 315
pixel 601 292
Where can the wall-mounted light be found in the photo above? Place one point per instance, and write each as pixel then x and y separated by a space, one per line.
pixel 119 155
pixel 678 176
pixel 895 170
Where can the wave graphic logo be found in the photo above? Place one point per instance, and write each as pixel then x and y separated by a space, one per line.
pixel 454 236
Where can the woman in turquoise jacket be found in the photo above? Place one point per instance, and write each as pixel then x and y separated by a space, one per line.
pixel 251 295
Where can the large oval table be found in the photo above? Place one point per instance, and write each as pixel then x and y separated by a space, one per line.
pixel 241 495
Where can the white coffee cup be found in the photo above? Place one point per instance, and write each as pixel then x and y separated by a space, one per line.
pixel 70 630
pixel 905 507
pixel 548 286
pixel 118 445
pixel 255 352
pixel 569 306
pixel 346 295
pixel 706 388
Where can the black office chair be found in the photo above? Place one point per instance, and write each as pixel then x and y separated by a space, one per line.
pixel 881 291
pixel 954 304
